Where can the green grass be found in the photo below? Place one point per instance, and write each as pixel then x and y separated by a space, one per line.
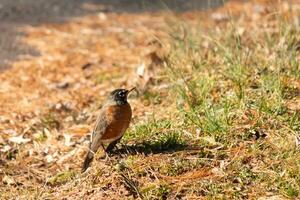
pixel 231 95
pixel 61 177
pixel 151 97
pixel 235 93
pixel 155 136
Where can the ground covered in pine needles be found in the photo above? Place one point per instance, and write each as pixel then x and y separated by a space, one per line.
pixel 216 117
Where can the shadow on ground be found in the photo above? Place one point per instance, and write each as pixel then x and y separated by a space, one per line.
pixel 15 14
pixel 147 148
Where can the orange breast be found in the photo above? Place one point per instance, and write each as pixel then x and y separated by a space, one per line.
pixel 118 118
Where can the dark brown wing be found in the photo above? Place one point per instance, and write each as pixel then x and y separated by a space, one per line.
pixel 99 130
pixel 95 143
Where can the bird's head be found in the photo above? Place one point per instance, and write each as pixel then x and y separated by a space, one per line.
pixel 120 95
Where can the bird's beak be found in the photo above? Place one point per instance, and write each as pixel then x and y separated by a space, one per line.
pixel 134 88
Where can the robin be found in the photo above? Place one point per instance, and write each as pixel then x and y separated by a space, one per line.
pixel 112 122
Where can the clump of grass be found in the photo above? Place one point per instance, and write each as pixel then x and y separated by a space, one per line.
pixel 161 191
pixel 156 136
pixel 61 178
pixel 40 136
pixel 272 101
pixel 165 142
pixel 147 130
pixel 104 76
pixel 151 97
pixel 177 166
pixel 50 121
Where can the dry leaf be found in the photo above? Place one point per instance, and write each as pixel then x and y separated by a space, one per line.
pixel 6 148
pixel 140 71
pixel 49 158
pixel 219 16
pixel 19 139
pixel 68 140
pixel 8 180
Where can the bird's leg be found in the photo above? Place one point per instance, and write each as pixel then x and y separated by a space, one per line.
pixel 103 153
pixel 106 154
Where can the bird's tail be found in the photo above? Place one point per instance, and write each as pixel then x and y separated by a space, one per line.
pixel 88 159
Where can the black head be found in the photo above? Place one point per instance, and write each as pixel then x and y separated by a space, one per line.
pixel 120 95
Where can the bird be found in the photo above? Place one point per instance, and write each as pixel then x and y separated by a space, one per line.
pixel 113 120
